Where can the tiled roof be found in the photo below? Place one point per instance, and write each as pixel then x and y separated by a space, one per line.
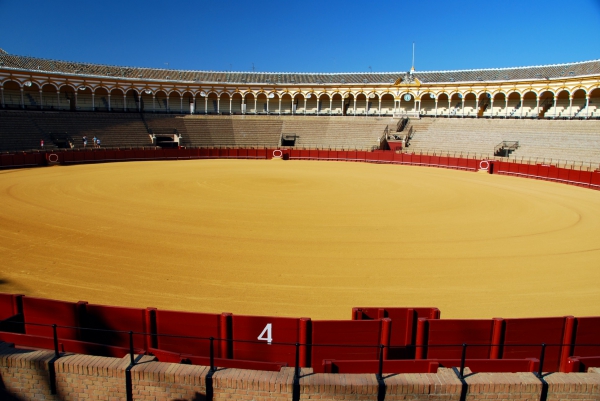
pixel 385 78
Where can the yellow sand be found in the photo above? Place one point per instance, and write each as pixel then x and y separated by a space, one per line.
pixel 300 238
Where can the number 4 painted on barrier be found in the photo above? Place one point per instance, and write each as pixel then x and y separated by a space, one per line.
pixel 267 331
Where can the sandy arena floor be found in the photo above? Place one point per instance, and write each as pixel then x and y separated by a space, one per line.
pixel 299 238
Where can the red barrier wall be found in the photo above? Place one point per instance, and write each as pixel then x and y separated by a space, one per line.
pixel 587 331
pixel 172 323
pixel 442 339
pixel 48 312
pixel 330 336
pixel 259 338
pixel 549 330
pixel 117 318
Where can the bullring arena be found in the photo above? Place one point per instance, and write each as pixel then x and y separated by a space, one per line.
pixel 221 209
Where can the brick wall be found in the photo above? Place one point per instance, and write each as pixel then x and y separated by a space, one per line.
pixel 27 375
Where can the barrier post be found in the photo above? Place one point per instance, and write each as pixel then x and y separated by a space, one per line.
pixel 56 353
pixel 462 361
pixel 297 366
pixel 212 355
pixel 380 370
pixel 542 354
pixel 132 360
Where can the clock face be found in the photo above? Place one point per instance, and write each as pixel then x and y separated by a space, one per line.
pixel 407 97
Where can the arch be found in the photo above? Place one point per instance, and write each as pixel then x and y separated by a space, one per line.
pixel 484 104
pixel 31 96
pixel 324 103
pixel 248 104
pixel 593 110
pixel 513 105
pixel 469 104
pixel 67 99
pixel 579 103
pixel 116 99
pixel 546 103
pixel 298 103
pixel 85 101
pixel 498 104
pixel 407 106
pixel 427 104
pixel 387 104
pixel 261 102
pixel 360 104
pixel 175 102
pixel 131 100
pixel 147 102
pixel 286 103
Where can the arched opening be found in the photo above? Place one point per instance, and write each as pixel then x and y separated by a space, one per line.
pixel 428 104
pixel 514 104
pixel 546 101
pixel 100 100
pixel 387 104
pixel 272 103
pixel 529 106
pixel 311 104
pixel 236 103
pixel 373 104
pixel 67 98
pixel 498 105
pixel 561 109
pixel 443 105
pixel 225 104
pixel 49 97
pixel 117 100
pixel 324 106
pixel 248 106
pixel 484 105
pixel 348 104
pixel 361 104
pixel 200 100
pixel 131 101
pixel 213 103
pixel 261 103
pixel 298 104
pixel 31 96
pixel 175 103
pixel 84 98
pixel 455 105
pixel 470 105
pixel 286 103
pixel 160 102
pixel 146 103
pixel 579 103
pixel 11 95
pixel 407 105
pixel 188 102
pixel 594 104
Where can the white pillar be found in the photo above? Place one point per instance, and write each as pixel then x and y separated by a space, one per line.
pixel 279 106
pixel 219 105
pixel 22 99
pixel 109 101
pixel 505 106
pixel 139 103
pixel 462 102
pixel 380 107
pixel 267 104
pixel 75 99
pixel 555 105
pixel 537 106
pixel 476 107
pixel 181 104
pixel 41 100
pixel 255 103
pixel 331 105
pixel 571 106
pixel 153 103
pixel 93 101
pixel 318 103
pixel 2 91
pixel 124 101
pixel 366 106
pixel 492 107
pixel 419 110
pixel 435 113
pixel 205 104
pixel 230 105
pixel 168 104
pixel 587 104
pixel 58 100
pixel 243 103
pixel 354 107
pixel 449 105
pixel 522 105
pixel 305 106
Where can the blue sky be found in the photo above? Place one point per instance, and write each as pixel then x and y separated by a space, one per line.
pixel 304 36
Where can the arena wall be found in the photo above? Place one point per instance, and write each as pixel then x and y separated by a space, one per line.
pixel 38 375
